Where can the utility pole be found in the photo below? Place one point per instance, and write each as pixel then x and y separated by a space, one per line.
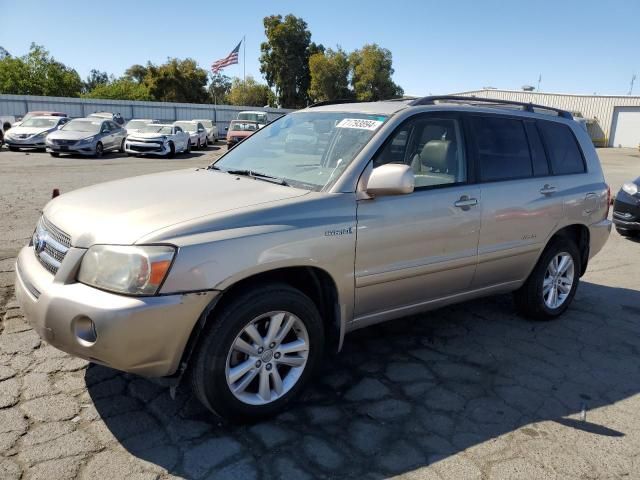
pixel 539 80
pixel 633 80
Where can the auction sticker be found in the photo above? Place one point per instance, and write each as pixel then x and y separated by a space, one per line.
pixel 361 123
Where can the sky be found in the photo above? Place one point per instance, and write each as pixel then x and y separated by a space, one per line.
pixel 438 47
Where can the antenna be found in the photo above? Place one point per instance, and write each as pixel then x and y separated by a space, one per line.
pixel 633 80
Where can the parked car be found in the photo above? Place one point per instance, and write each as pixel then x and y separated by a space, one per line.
pixel 6 122
pixel 238 130
pixel 114 117
pixel 626 209
pixel 38 113
pixel 32 132
pixel 211 128
pixel 243 274
pixel 196 131
pixel 136 124
pixel 158 139
pixel 87 136
pixel 262 118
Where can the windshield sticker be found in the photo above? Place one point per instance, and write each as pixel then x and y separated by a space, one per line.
pixel 360 123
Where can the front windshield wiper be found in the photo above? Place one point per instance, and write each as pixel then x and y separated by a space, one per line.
pixel 258 176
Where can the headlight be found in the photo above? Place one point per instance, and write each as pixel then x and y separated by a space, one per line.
pixel 630 188
pixel 130 270
pixel 87 139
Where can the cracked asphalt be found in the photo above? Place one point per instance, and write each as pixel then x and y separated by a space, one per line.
pixel 471 391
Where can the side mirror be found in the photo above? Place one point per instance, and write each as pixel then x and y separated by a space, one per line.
pixel 391 179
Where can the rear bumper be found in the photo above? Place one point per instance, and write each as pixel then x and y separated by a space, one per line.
pixel 598 235
pixel 142 335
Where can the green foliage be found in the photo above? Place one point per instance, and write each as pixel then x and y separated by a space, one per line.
pixel 174 81
pixel 121 89
pixel 285 58
pixel 219 87
pixel 38 73
pixel 95 78
pixel 329 76
pixel 250 93
pixel 371 74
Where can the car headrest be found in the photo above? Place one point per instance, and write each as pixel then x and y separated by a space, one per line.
pixel 439 155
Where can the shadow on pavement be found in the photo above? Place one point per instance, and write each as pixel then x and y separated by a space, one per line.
pixel 402 395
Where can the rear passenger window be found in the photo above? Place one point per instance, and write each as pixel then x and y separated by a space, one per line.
pixel 538 155
pixel 563 148
pixel 501 148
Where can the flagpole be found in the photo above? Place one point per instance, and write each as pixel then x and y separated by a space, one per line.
pixel 244 60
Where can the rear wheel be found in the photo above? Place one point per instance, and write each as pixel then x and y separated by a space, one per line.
pixel 258 353
pixel 550 288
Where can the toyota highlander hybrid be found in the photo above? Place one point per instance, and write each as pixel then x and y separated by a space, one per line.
pixel 240 276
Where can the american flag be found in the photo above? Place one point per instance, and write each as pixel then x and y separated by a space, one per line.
pixel 230 59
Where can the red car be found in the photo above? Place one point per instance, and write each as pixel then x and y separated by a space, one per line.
pixel 238 130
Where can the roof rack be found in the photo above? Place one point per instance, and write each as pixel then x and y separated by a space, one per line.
pixel 334 102
pixel 528 107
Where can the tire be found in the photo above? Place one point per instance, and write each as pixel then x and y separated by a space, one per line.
pixel 14 149
pixel 122 146
pixel 198 145
pixel 188 149
pixel 54 154
pixel 99 150
pixel 172 150
pixel 530 299
pixel 206 143
pixel 215 353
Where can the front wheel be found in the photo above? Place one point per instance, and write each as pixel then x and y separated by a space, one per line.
pixel 198 145
pixel 99 150
pixel 550 288
pixel 188 149
pixel 206 143
pixel 54 154
pixel 258 353
pixel 122 146
pixel 14 149
pixel 172 150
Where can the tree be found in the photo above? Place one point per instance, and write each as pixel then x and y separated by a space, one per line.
pixel 219 87
pixel 38 73
pixel 174 81
pixel 371 74
pixel 285 58
pixel 250 93
pixel 95 78
pixel 120 89
pixel 329 76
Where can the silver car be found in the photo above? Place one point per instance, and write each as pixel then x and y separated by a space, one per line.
pixel 92 136
pixel 32 132
pixel 243 274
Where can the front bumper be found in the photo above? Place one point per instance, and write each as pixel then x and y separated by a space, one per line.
pixel 82 149
pixel 142 335
pixel 26 143
pixel 626 211
pixel 146 148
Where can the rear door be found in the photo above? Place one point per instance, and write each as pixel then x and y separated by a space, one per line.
pixel 519 208
pixel 415 248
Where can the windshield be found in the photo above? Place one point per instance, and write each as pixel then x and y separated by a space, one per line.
pixel 136 124
pixel 188 126
pixel 307 150
pixel 91 126
pixel 253 116
pixel 243 126
pixel 163 129
pixel 40 122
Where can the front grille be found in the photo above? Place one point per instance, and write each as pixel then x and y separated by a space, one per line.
pixel 64 142
pixel 150 147
pixel 50 245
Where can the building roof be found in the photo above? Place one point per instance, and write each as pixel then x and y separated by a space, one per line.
pixel 483 90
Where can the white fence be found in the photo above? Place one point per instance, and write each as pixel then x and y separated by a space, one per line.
pixel 18 105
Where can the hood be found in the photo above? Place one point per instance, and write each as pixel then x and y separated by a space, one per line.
pixel 70 135
pixel 239 133
pixel 15 131
pixel 123 211
pixel 145 136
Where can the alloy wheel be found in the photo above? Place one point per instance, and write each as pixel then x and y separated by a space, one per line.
pixel 558 280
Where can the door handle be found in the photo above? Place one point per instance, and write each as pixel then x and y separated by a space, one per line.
pixel 548 189
pixel 465 202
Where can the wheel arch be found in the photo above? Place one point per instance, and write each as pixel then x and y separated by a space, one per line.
pixel 580 235
pixel 313 281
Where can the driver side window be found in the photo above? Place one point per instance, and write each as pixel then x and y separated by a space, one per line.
pixel 433 148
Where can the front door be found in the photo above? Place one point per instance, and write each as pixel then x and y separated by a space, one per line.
pixel 415 248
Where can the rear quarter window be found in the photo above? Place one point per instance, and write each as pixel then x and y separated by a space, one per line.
pixel 564 153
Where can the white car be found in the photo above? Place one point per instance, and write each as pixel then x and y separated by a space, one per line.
pixel 32 133
pixel 261 117
pixel 158 139
pixel 211 128
pixel 136 124
pixel 196 131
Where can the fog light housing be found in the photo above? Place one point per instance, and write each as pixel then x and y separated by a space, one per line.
pixel 84 330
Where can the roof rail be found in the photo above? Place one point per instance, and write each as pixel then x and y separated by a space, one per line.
pixel 529 107
pixel 334 102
